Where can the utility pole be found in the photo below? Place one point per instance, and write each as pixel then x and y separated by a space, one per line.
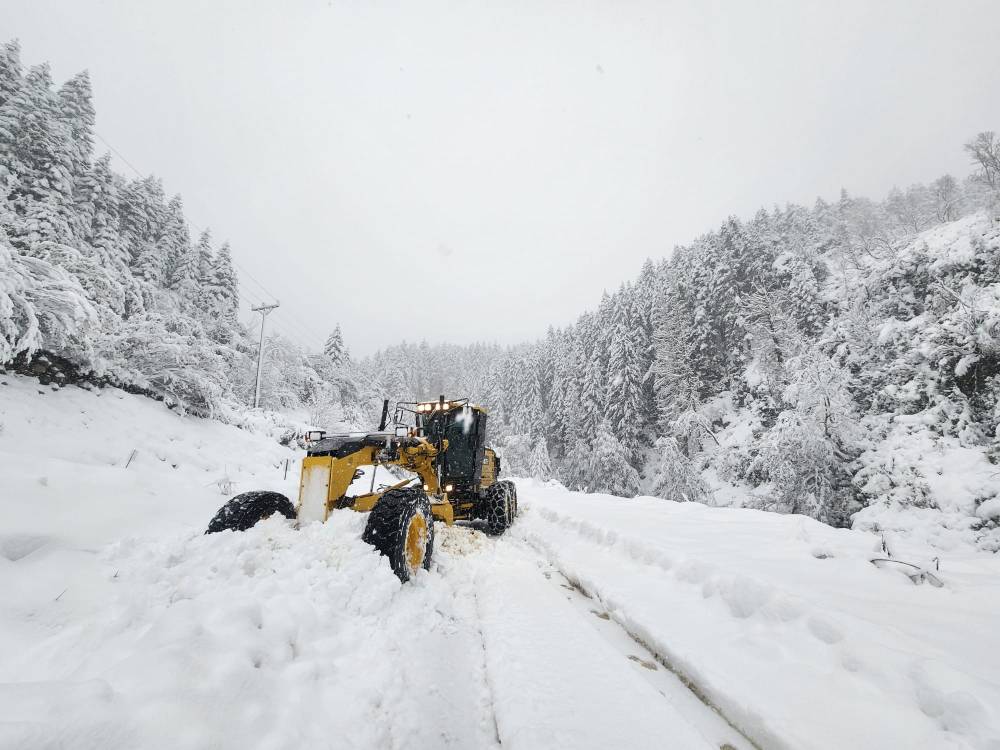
pixel 263 310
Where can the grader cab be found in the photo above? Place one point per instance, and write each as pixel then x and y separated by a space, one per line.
pixel 447 473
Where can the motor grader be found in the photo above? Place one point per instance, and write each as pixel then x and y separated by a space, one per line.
pixel 448 474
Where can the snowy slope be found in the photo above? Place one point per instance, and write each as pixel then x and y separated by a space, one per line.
pixel 124 626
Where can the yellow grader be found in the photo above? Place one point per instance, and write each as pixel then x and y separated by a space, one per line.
pixel 453 477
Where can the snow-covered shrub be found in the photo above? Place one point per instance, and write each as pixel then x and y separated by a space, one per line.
pixel 674 476
pixel 601 467
pixel 881 479
pixel 515 455
pixel 734 464
pixel 42 307
pixel 172 357
pixel 807 453
pixel 574 468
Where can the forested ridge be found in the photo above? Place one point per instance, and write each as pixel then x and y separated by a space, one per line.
pixel 807 359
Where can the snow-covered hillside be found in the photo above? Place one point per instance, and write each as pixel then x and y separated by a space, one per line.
pixel 838 362
pixel 585 626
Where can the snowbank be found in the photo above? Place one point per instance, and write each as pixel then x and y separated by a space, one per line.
pixel 783 622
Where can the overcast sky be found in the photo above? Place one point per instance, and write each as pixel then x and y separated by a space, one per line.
pixel 464 171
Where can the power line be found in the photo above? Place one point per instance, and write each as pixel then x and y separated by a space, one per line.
pixel 238 265
pixel 119 154
pixel 255 301
pixel 194 226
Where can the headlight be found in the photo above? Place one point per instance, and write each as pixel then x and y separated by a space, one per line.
pixel 426 488
pixel 449 488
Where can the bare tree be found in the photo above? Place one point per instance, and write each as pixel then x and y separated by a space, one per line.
pixel 985 152
pixel 946 197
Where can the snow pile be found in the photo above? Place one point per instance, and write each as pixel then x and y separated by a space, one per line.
pixel 124 626
pixel 81 469
pixel 784 624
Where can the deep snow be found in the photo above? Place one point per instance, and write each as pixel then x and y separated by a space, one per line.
pixel 124 626
pixel 784 623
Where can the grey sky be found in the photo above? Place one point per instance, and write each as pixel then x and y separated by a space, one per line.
pixel 463 171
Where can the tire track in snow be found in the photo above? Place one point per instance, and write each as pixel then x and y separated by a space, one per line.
pixel 554 681
pixel 461 548
pixel 704 714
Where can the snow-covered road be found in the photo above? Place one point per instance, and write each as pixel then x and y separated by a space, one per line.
pixel 123 626
pixel 285 638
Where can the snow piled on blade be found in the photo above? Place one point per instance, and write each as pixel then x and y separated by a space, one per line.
pixel 783 623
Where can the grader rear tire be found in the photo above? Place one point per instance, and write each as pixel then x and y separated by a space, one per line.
pixel 401 527
pixel 246 509
pixel 499 507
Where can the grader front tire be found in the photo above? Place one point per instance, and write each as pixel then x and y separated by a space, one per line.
pixel 246 509
pixel 401 527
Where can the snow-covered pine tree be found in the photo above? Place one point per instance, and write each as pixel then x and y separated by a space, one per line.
pixel 37 149
pixel 530 418
pixel 334 348
pixel 545 360
pixel 224 285
pixel 592 397
pixel 645 299
pixel 97 210
pixel 11 80
pixel 10 72
pixel 564 406
pixel 202 296
pixel 539 463
pixel 76 110
pixel 803 293
pixel 205 256
pixel 710 287
pixel 142 218
pixel 675 379
pixel 175 244
pixel 775 337
pixel 624 382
